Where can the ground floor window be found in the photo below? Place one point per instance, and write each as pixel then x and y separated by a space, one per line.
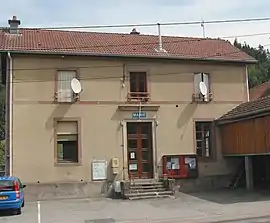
pixel 67 149
pixel 204 139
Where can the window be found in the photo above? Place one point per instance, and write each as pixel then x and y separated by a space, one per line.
pixel 138 85
pixel 201 77
pixel 204 139
pixel 67 142
pixel 64 91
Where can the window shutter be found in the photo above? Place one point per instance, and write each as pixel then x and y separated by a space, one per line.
pixel 206 81
pixel 197 80
pixel 64 85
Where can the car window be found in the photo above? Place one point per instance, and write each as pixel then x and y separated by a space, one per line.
pixel 6 185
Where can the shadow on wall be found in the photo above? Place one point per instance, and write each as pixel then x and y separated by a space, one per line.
pixel 185 116
pixel 59 111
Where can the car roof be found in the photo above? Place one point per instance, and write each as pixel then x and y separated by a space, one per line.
pixel 8 178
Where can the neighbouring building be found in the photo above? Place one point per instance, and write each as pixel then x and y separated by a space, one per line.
pixel 140 101
pixel 260 91
pixel 245 134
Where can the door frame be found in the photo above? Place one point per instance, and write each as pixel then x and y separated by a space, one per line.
pixel 125 149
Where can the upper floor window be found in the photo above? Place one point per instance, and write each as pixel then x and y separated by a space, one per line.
pixel 64 92
pixel 198 78
pixel 204 139
pixel 138 85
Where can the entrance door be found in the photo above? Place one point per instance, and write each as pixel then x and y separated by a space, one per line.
pixel 140 150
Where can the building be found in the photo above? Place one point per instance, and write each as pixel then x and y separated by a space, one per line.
pixel 245 135
pixel 260 91
pixel 55 135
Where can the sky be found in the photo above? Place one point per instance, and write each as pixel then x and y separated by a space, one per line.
pixel 51 13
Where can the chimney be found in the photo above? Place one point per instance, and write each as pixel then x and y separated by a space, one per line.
pixel 134 31
pixel 14 25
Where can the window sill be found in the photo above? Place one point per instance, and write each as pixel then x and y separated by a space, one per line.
pixel 67 164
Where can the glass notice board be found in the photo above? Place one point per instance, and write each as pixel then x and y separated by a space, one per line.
pixel 180 166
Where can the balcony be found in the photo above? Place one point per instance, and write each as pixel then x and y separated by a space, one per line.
pixel 138 96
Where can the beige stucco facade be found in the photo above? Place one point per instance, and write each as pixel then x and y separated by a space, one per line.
pixel 102 129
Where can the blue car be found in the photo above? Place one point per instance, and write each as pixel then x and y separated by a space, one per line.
pixel 11 194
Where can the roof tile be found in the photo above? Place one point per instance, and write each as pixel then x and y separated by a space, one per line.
pixel 116 44
pixel 247 108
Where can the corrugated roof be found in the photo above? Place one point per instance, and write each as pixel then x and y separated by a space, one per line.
pixel 116 44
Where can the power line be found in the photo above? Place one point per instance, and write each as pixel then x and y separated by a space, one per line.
pixel 183 40
pixel 112 66
pixel 115 77
pixel 246 35
pixel 163 24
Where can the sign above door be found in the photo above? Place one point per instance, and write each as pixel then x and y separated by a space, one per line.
pixel 139 115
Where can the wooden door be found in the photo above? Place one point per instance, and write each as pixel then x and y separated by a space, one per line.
pixel 140 150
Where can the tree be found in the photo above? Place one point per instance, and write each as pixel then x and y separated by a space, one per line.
pixel 260 72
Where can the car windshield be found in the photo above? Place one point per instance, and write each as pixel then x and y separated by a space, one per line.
pixel 6 185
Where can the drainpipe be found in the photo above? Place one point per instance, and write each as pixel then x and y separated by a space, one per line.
pixel 9 103
pixel 247 83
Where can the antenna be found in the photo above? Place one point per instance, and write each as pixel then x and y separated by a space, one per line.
pixel 203 88
pixel 76 86
pixel 203 28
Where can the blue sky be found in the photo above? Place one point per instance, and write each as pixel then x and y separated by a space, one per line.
pixel 49 13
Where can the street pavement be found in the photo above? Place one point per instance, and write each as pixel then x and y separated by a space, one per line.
pixel 217 206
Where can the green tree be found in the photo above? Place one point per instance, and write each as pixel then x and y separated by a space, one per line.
pixel 260 72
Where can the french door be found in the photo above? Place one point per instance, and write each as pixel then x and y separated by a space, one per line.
pixel 140 150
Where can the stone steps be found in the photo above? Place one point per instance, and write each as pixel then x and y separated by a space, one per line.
pixel 148 195
pixel 145 189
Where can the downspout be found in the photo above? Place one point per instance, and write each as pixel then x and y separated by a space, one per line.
pixel 10 113
pixel 247 85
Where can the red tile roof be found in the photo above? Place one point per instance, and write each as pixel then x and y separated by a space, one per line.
pixel 115 44
pixel 259 91
pixel 248 109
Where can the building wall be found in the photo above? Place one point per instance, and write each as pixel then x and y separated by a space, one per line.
pixel 171 87
pixel 246 137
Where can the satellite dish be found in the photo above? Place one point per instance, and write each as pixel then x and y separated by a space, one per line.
pixel 203 88
pixel 76 86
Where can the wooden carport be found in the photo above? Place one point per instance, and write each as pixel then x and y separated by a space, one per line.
pixel 245 132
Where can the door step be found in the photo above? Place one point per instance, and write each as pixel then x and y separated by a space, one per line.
pixel 151 195
pixel 145 189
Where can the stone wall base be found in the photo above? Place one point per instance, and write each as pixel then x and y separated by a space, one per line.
pixel 51 191
pixel 204 183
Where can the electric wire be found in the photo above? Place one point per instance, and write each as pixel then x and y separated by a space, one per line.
pixel 162 24
pixel 149 43
pixel 23 80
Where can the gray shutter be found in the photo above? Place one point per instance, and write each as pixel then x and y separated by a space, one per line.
pixel 206 81
pixel 65 93
pixel 197 80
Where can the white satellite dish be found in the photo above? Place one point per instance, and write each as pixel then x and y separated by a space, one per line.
pixel 203 88
pixel 76 86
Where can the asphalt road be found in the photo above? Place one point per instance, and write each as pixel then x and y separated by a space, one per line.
pixel 197 208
